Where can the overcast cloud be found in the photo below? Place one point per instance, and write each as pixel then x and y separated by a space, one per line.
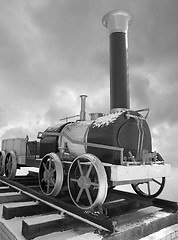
pixel 51 51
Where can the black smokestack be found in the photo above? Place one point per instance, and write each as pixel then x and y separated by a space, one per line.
pixel 117 23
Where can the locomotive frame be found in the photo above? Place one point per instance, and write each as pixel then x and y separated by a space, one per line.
pixel 88 157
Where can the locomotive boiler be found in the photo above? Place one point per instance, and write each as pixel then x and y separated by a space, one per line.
pixel 88 157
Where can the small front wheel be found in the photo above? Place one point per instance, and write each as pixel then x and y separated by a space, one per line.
pixel 151 188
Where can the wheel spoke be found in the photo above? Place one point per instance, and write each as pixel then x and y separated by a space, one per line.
pixel 156 181
pixel 94 184
pixel 136 185
pixel 9 166
pixel 89 170
pixel 149 191
pixel 80 168
pixel 89 196
pixel 53 181
pixel 43 180
pixel 45 167
pixel 73 180
pixel 48 186
pixel 50 161
pixel 79 194
pixel 53 171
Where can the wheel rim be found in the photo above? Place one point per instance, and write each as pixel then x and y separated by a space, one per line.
pixel 51 174
pixel 10 165
pixel 150 189
pixel 87 182
pixel 2 163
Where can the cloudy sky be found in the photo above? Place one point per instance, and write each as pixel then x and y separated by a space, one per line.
pixel 51 51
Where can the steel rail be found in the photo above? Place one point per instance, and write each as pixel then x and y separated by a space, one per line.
pixel 69 209
pixel 157 202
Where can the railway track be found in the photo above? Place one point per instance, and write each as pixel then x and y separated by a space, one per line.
pixel 123 214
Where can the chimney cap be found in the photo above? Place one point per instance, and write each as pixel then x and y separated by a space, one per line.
pixel 117 21
pixel 83 95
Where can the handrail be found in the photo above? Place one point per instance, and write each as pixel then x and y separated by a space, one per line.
pixel 88 144
pixel 128 115
pixel 66 118
pixel 144 110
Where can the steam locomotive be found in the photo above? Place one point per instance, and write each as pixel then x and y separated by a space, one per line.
pixel 88 157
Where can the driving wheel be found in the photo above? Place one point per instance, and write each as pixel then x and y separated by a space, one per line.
pixel 87 182
pixel 10 165
pixel 2 163
pixel 51 174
